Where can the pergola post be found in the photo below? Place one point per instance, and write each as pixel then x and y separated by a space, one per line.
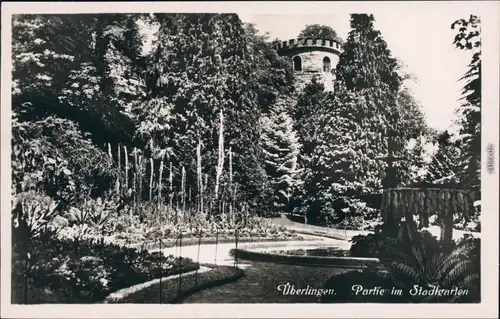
pixel 389 182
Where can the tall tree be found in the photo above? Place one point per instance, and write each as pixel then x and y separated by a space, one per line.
pixel 307 112
pixel 198 66
pixel 310 106
pixel 368 105
pixel 468 38
pixel 74 79
pixel 415 134
pixel 63 65
pixel 446 164
pixel 367 69
pixel 271 73
pixel 343 164
pixel 281 148
pixel 318 31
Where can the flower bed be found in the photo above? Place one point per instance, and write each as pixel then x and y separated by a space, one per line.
pixel 131 232
pixel 135 232
pixel 84 271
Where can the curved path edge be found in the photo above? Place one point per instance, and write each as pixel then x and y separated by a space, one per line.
pixel 211 284
pixel 318 261
pixel 125 292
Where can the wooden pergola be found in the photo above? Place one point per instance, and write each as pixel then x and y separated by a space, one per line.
pixel 399 203
pixel 422 201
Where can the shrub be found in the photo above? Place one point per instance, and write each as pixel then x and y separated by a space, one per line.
pixel 32 213
pixel 54 156
pixel 367 246
pixel 429 264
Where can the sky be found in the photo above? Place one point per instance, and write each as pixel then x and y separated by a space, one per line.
pixel 421 39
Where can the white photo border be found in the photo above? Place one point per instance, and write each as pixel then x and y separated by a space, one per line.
pixel 489 13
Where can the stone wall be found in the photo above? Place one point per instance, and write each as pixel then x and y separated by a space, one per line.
pixel 312 66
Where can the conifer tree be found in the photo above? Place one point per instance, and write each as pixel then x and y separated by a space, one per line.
pixel 343 164
pixel 309 108
pixel 367 68
pixel 368 104
pixel 197 67
pixel 468 38
pixel 280 148
pixel 447 163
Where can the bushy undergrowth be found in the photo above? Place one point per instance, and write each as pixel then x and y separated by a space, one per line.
pixel 54 157
pixel 369 245
pixel 82 271
pixel 82 257
pixel 342 212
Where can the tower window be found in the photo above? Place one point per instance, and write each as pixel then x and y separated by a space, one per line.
pixel 297 63
pixel 326 64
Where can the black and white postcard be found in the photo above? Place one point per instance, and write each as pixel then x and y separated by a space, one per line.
pixel 250 159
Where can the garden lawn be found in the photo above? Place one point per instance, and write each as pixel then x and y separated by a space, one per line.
pixel 180 287
pixel 260 281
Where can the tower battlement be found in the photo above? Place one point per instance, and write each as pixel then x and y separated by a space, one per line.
pixel 311 58
pixel 295 46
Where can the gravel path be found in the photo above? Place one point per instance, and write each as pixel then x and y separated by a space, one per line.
pixel 220 254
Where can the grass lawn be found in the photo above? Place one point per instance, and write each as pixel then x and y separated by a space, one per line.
pixel 176 290
pixel 260 282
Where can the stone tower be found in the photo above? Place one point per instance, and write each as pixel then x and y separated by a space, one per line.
pixel 311 58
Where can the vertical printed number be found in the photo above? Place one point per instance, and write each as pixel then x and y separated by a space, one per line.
pixel 490 159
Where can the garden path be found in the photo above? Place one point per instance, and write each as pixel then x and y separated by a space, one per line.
pixel 220 254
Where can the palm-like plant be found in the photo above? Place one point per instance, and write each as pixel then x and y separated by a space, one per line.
pixel 423 261
pixel 100 211
pixel 95 212
pixel 33 212
pixel 82 215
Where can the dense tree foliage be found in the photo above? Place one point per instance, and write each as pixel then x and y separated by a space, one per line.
pixel 201 64
pixel 307 112
pixel 318 31
pixel 281 148
pixel 77 67
pixel 446 164
pixel 96 71
pixel 369 104
pixel 468 38
pixel 139 128
pixel 271 73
